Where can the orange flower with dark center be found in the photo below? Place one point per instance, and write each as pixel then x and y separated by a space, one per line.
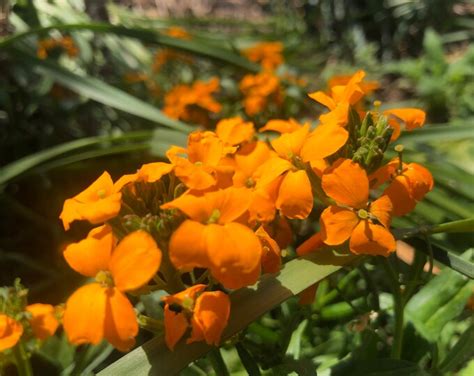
pixel 353 217
pixel 43 320
pixel 408 184
pixel 97 203
pixel 193 103
pixel 101 309
pixel 213 238
pixel 267 54
pixel 206 313
pixel 202 168
pixel 10 332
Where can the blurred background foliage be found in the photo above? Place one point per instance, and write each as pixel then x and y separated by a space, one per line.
pixel 66 118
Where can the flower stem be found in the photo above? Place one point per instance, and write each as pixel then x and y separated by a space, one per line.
pixel 22 360
pixel 398 310
pixel 217 362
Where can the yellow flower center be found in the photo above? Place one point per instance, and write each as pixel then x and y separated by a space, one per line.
pixel 104 278
pixel 101 193
pixel 215 215
pixel 362 214
pixel 188 303
pixel 249 183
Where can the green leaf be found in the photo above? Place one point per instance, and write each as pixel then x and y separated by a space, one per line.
pixel 463 225
pixel 21 166
pixel 98 90
pixel 458 130
pixel 247 304
pixel 441 300
pixel 145 35
pixel 462 351
pixel 377 367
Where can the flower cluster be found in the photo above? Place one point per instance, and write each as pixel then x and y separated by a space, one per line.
pixel 20 322
pixel 45 46
pixel 219 212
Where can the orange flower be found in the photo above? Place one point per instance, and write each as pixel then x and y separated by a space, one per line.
pixel 178 32
pixel 207 314
pixel 97 203
pixel 235 131
pixel 193 103
pixel 295 149
pixel 247 163
pixel 43 320
pixel 366 224
pixel 212 238
pixel 407 185
pixel 259 90
pixel 201 169
pixel 342 80
pixel 101 309
pixel 342 96
pixel 66 43
pixel 268 54
pixel 412 117
pixel 10 332
pixel 148 173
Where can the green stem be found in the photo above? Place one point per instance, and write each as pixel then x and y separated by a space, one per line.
pixel 22 360
pixel 217 362
pixel 398 309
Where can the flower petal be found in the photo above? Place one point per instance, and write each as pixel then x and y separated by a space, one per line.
pixel 102 186
pixel 295 197
pixel 412 117
pixel 382 209
pixel 151 172
pixel 210 317
pixel 347 183
pixel 121 326
pixel 135 261
pixel 101 210
pixel 324 99
pixel 234 253
pixel 312 244
pixel 43 320
pixel 290 144
pixel 371 239
pixel 92 254
pixel 10 332
pixel 234 131
pixel 187 248
pixel 175 327
pixel 84 315
pixel 324 141
pixel 399 192
pixel 271 254
pixel 337 225
pixel 281 126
